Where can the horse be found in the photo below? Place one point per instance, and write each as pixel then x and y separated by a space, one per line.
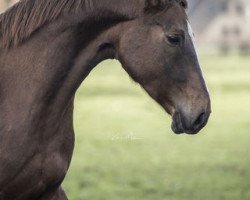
pixel 48 48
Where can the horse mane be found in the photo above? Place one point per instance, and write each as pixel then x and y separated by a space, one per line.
pixel 26 16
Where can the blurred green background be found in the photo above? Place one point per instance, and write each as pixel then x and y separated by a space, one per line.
pixel 125 149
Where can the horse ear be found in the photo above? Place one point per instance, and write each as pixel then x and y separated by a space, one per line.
pixel 155 4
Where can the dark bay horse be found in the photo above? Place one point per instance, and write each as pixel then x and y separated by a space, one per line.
pixel 48 47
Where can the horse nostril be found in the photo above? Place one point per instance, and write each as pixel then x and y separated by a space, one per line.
pixel 200 120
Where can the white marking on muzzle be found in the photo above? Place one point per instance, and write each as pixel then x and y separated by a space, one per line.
pixel 191 34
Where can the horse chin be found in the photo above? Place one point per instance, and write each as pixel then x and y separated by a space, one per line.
pixel 179 130
pixel 178 127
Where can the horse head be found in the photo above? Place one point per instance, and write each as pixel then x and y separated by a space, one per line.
pixel 157 50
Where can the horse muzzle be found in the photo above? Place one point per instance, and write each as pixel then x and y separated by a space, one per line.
pixel 190 124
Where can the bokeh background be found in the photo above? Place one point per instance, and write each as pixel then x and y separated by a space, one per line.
pixel 125 149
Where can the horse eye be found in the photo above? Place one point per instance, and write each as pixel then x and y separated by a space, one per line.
pixel 174 40
pixel 183 4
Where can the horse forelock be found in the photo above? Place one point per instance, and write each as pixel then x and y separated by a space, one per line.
pixel 26 16
pixel 162 4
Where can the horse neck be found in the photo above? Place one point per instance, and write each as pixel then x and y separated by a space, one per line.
pixel 40 77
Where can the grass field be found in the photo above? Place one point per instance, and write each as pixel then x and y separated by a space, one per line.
pixel 125 149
